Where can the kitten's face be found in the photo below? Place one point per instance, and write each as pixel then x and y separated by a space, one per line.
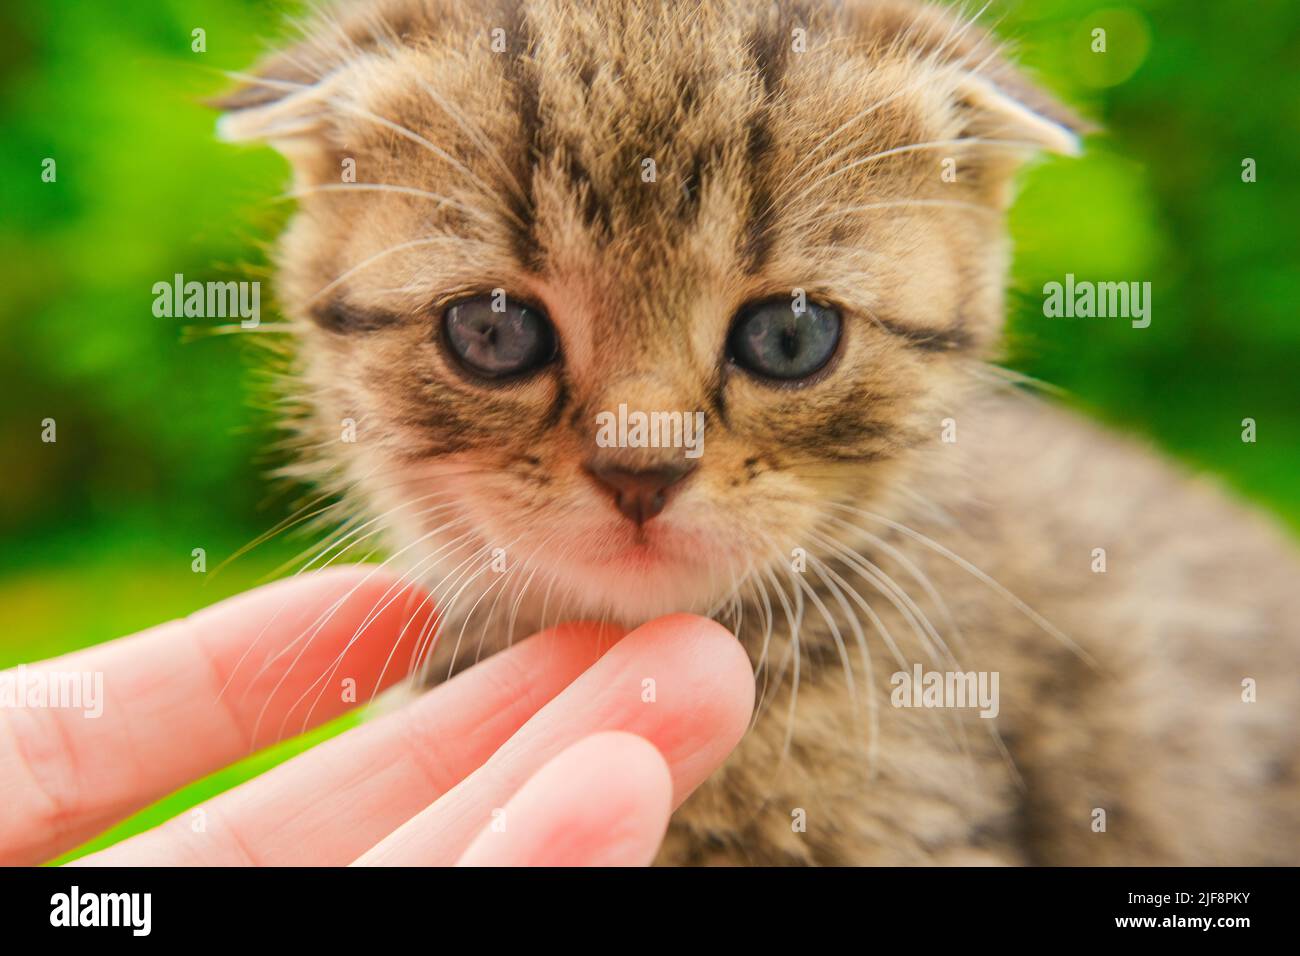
pixel 629 183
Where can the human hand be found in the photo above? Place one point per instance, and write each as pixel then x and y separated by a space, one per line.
pixel 546 753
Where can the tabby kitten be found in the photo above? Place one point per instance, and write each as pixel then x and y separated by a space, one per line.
pixel 783 220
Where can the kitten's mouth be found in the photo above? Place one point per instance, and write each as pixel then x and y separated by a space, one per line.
pixel 642 554
pixel 653 549
pixel 638 547
pixel 640 573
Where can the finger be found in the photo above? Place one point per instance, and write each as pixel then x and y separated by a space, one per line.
pixel 329 805
pixel 683 683
pixel 604 801
pixel 186 698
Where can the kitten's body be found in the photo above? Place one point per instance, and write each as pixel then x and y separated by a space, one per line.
pixel 521 165
pixel 1198 595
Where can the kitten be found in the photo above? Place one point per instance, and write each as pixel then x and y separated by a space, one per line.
pixel 567 211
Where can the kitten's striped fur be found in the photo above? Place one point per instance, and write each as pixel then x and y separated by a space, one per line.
pixel 516 160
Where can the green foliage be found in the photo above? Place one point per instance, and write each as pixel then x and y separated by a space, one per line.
pixel 1159 197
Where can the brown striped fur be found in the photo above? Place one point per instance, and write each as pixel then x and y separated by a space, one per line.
pixel 775 169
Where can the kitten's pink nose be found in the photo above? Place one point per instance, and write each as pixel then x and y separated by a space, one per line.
pixel 640 494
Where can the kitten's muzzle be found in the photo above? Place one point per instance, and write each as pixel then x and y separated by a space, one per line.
pixel 640 494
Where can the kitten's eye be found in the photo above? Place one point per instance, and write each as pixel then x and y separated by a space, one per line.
pixel 773 341
pixel 500 342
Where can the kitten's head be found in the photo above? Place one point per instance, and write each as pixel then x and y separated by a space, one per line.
pixel 522 226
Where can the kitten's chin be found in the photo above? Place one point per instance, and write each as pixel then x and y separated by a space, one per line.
pixel 638 587
pixel 635 578
pixel 599 571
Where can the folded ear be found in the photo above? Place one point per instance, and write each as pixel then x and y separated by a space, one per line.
pixel 995 100
pixel 278 113
pixel 285 102
pixel 292 96
pixel 1014 112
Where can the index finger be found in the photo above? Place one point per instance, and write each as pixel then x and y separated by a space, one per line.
pixel 181 700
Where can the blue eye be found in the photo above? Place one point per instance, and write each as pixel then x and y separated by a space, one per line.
pixel 773 341
pixel 496 338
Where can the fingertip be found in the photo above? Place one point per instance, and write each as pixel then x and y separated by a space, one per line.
pixel 712 653
pixel 695 685
pixel 604 800
pixel 373 582
pixel 630 758
pixel 353 587
pixel 364 600
pixel 269 647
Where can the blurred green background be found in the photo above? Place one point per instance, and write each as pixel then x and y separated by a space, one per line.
pixel 160 440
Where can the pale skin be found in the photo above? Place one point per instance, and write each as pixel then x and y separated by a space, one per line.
pixel 554 739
